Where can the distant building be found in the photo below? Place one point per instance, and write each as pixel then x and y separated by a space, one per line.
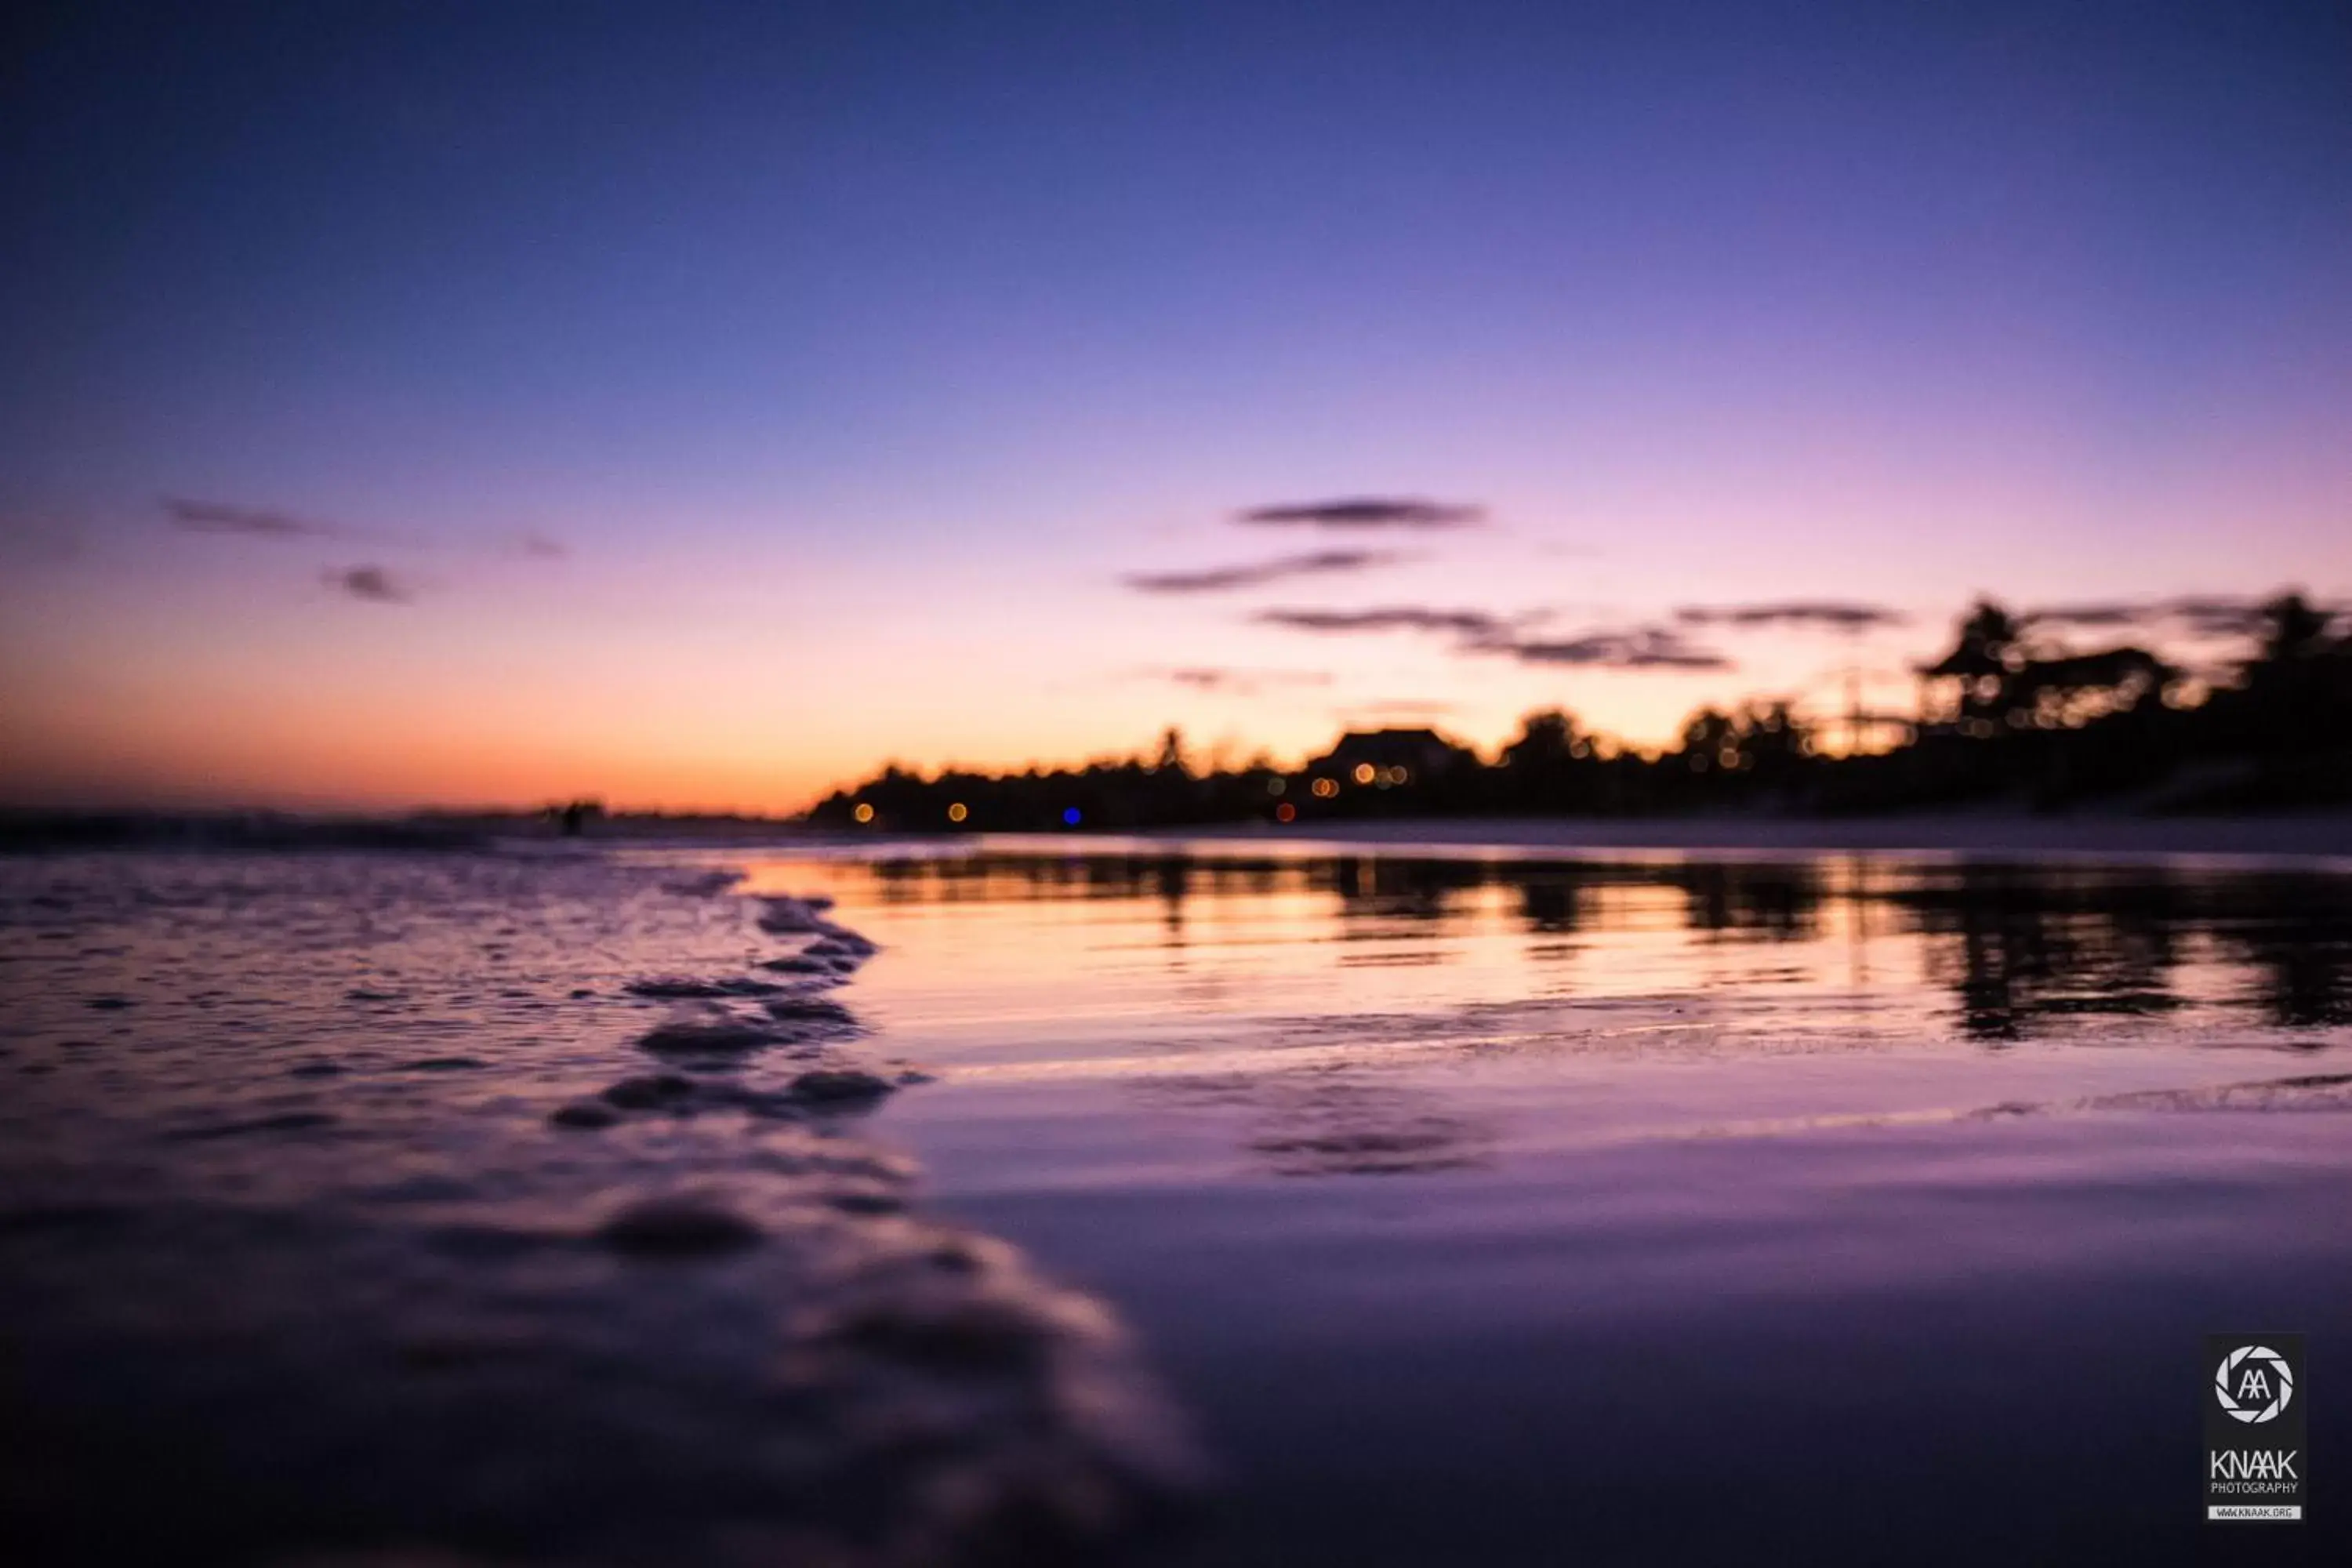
pixel 1393 756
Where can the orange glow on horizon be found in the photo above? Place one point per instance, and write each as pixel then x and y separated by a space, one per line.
pixel 679 685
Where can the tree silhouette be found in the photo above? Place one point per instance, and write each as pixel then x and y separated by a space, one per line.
pixel 2005 715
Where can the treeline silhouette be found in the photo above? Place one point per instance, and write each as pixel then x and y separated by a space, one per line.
pixel 2006 717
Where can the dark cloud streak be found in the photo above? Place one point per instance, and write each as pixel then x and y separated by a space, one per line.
pixel 372 584
pixel 1365 511
pixel 2090 616
pixel 1839 614
pixel 229 518
pixel 2201 615
pixel 254 523
pixel 1633 648
pixel 1469 624
pixel 1479 632
pixel 1223 579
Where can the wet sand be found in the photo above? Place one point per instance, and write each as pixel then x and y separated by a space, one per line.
pixel 1833 1210
pixel 693 1206
pixel 502 1208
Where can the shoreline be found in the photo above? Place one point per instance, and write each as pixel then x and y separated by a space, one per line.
pixel 2312 839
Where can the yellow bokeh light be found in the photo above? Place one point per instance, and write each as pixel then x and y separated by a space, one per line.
pixel 863 812
pixel 1364 773
pixel 955 813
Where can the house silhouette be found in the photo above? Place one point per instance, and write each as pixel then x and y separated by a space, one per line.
pixel 1423 755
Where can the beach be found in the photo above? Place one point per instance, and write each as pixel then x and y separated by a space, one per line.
pixel 1117 1200
pixel 1201 786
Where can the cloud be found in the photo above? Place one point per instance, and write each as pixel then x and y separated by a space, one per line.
pixel 1471 626
pixel 373 583
pixel 1839 614
pixel 255 522
pixel 1243 682
pixel 1479 632
pixel 264 522
pixel 2089 616
pixel 2199 615
pixel 2220 618
pixel 1365 511
pixel 1222 579
pixel 1631 648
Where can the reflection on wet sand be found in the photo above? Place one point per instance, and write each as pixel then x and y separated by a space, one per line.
pixel 1451 1189
pixel 2017 948
pixel 1315 1008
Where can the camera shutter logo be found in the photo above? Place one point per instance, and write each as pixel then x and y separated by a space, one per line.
pixel 2253 1383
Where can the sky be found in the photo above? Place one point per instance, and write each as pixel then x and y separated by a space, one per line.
pixel 697 406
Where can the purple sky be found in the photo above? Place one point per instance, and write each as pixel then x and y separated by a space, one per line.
pixel 699 405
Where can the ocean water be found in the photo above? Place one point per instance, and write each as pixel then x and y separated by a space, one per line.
pixel 1014 1203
